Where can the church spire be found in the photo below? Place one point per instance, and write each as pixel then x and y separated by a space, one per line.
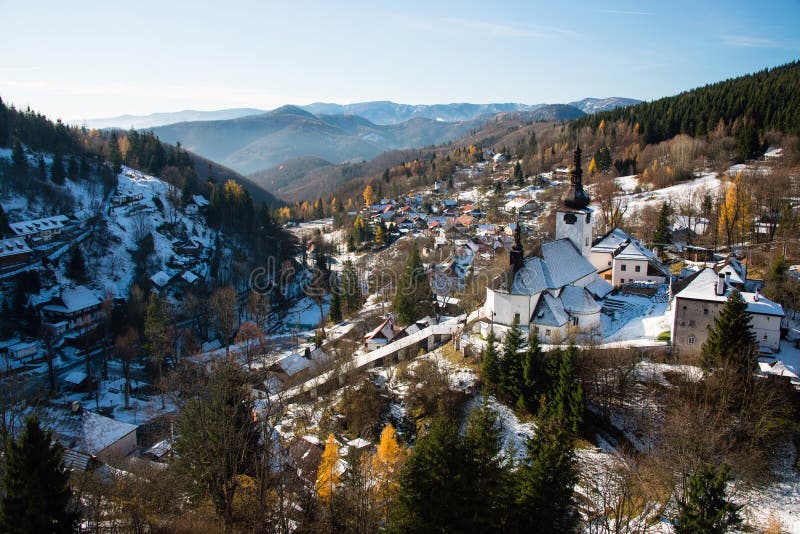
pixel 575 197
pixel 517 253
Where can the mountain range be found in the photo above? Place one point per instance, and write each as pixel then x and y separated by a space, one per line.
pixel 378 112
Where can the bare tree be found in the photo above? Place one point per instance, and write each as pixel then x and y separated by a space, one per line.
pixel 223 305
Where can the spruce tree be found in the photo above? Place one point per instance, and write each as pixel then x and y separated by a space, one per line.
pixel 533 374
pixel 36 494
pixel 335 310
pixel 776 279
pixel 518 176
pixel 661 236
pixel 731 342
pixel 76 267
pixel 4 227
pixel 42 170
pixel 705 508
pixel 490 365
pixel 57 172
pixel 511 363
pixel 414 297
pixel 19 161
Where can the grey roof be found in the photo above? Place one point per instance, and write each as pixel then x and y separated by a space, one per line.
pixel 577 299
pixel 632 252
pixel 564 263
pixel 532 278
pixel 599 287
pixel 611 241
pixel 703 288
pixel 549 312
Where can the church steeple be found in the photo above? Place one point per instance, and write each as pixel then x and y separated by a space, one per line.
pixel 575 197
pixel 517 253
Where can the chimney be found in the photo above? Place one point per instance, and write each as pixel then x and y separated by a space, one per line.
pixel 721 284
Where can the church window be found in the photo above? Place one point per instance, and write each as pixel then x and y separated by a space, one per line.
pixel 638 268
pixel 691 340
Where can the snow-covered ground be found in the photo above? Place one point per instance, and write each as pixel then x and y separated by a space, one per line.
pixel 707 182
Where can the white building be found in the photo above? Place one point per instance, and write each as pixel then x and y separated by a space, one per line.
pixel 620 259
pixel 557 293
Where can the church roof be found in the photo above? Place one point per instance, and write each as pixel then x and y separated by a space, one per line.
pixel 549 312
pixel 577 299
pixel 560 265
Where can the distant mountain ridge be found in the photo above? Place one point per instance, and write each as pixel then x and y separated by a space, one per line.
pixel 380 112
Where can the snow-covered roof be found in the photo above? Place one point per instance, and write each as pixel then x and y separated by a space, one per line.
pixel 634 252
pixel 358 443
pixel 599 287
pixel 549 312
pixel 75 377
pixel 87 432
pixel 34 226
pixel 703 287
pixel 294 363
pixel 189 277
pixel 577 300
pixel 74 300
pixel 12 246
pixel 565 263
pixel 161 279
pixel 200 200
pixel 611 241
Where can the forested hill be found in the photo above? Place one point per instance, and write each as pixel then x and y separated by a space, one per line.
pixel 140 150
pixel 766 100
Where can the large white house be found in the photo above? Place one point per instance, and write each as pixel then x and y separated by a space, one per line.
pixel 621 259
pixel 557 292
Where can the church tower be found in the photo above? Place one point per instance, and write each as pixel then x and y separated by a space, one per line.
pixel 517 255
pixel 574 217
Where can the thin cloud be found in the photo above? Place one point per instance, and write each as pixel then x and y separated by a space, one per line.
pixel 503 29
pixel 746 41
pixel 623 12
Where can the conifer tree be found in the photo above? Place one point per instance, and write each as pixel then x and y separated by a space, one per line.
pixel 414 297
pixel 19 161
pixel 42 170
pixel 386 464
pixel 57 172
pixel 4 227
pixel 335 309
pixel 352 297
pixel 114 155
pixel 661 236
pixel 156 334
pixel 776 279
pixel 705 509
pixel 76 267
pixel 533 373
pixel 36 495
pixel 731 342
pixel 490 365
pixel 511 363
pixel 328 475
pixel 592 168
pixel 518 176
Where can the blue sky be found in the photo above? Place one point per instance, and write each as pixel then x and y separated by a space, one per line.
pixel 84 59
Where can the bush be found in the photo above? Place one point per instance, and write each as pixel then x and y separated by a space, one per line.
pixel 664 336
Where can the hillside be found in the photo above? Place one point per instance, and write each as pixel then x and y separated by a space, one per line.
pixel 765 100
pixel 257 142
pixel 596 105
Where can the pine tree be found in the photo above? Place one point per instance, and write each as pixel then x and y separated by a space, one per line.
pixel 76 267
pixel 661 236
pixel 57 173
pixel 42 169
pixel 518 176
pixel 490 365
pixel 328 475
pixel 565 398
pixel 511 363
pixel 352 297
pixel 705 508
pixel 157 335
pixel 533 373
pixel 114 155
pixel 413 298
pixel 335 309
pixel 776 279
pixel 36 494
pixel 19 161
pixel 4 227
pixel 731 342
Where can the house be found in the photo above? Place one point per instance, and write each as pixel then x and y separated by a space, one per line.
pixel 620 259
pixel 40 229
pixel 23 349
pixel 557 292
pixel 89 433
pixel 700 302
pixel 499 158
pixel 294 364
pixel 520 205
pixel 160 281
pixel 14 251
pixel 383 334
pixel 123 199
pixel 74 311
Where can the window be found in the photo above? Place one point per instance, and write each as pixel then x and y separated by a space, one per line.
pixel 609 263
pixel 516 317
pixel 684 308
pixel 547 332
pixel 575 321
pixel 691 323
pixel 623 268
pixel 587 241
pixel 765 337
pixel 622 281
pixel 638 268
pixel 691 340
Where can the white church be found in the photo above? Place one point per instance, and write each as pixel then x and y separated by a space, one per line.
pixel 555 294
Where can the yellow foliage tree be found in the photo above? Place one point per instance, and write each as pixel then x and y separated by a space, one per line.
pixel 386 464
pixel 592 168
pixel 380 236
pixel 735 214
pixel 328 476
pixel 369 195
pixel 602 127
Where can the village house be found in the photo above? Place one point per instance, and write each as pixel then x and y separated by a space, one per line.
pixel 700 302
pixel 620 259
pixel 75 311
pixel 520 205
pixel 14 251
pixel 383 334
pixel 40 229
pixel 90 433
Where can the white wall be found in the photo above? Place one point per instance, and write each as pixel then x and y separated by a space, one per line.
pixel 630 274
pixel 601 260
pixel 767 330
pixel 580 232
pixel 501 307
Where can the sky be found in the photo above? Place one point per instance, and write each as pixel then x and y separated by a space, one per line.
pixel 89 59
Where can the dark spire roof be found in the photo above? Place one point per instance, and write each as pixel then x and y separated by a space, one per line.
pixel 517 254
pixel 575 197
